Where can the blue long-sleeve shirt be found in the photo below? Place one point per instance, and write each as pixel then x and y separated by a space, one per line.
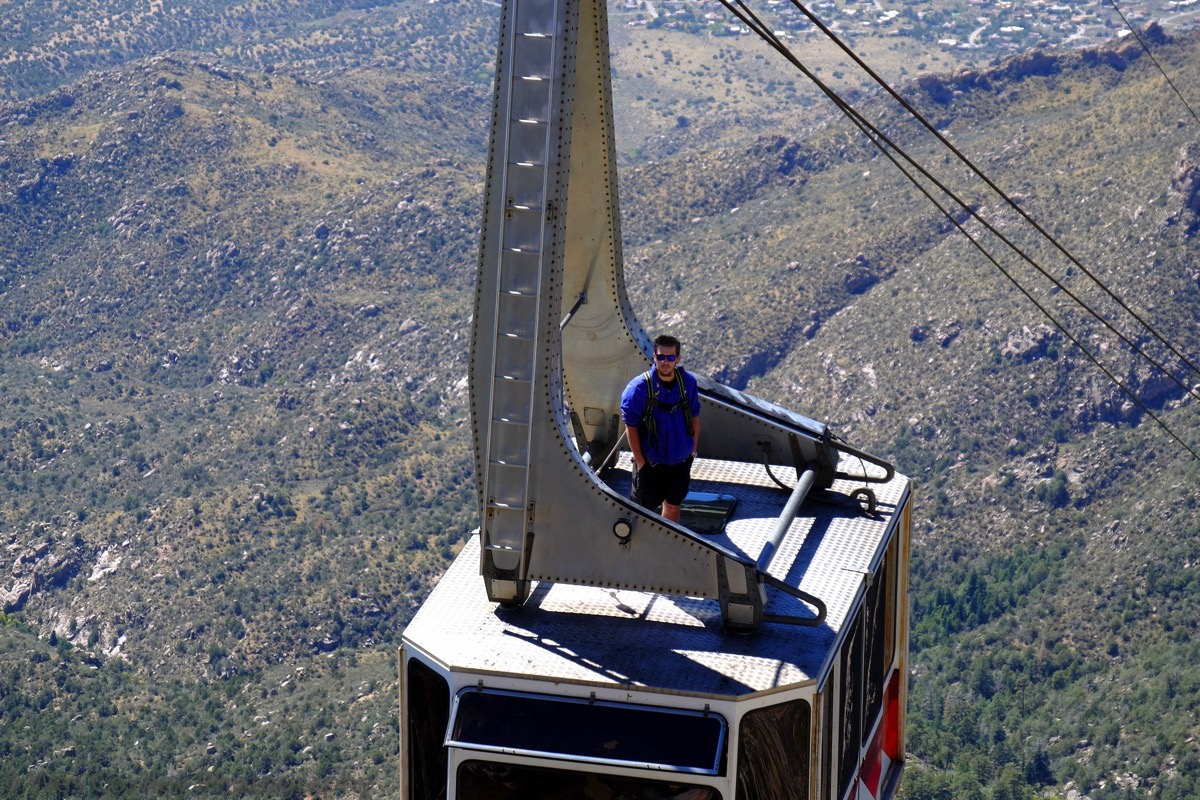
pixel 671 443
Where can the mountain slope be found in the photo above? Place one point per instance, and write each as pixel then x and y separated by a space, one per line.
pixel 1057 524
pixel 226 447
pixel 235 311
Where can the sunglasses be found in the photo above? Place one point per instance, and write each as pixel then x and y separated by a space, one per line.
pixel 664 357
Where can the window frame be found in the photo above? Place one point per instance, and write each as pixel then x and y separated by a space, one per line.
pixel 712 768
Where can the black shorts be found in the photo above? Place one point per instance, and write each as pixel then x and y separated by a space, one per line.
pixel 655 483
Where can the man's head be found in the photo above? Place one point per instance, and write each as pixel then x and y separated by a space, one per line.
pixel 666 357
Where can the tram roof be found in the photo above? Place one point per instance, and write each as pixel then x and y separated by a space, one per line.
pixel 612 637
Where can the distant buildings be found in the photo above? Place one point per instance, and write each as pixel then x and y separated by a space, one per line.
pixel 998 25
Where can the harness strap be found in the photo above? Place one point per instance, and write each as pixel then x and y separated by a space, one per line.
pixel 652 405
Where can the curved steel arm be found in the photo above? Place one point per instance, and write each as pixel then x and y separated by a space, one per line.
pixel 888 468
pixel 799 594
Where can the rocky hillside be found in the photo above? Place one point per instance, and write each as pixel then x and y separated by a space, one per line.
pixel 235 309
pixel 1057 536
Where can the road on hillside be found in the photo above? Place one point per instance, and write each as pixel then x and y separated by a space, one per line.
pixel 973 39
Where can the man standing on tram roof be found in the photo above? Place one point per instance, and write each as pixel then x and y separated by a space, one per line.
pixel 661 411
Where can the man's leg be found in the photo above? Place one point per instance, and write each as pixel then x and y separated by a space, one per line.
pixel 648 486
pixel 679 481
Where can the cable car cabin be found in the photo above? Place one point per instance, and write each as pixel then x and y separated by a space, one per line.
pixel 605 694
pixel 584 648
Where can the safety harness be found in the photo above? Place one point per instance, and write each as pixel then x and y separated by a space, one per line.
pixel 652 405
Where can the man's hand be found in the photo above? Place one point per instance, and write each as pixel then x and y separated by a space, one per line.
pixel 635 446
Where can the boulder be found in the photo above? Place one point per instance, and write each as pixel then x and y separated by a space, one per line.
pixel 1185 189
pixel 14 599
pixel 1029 343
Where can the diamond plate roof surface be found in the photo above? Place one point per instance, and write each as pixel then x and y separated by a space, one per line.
pixel 602 636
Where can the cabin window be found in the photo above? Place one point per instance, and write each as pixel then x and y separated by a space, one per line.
pixel 773 752
pixel 490 780
pixel 880 644
pixel 850 725
pixel 865 662
pixel 597 731
pixel 428 697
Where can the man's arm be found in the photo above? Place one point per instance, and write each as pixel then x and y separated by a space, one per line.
pixel 694 401
pixel 633 407
pixel 635 446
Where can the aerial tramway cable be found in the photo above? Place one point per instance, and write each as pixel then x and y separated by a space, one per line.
pixel 1146 47
pixel 1012 204
pixel 887 146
